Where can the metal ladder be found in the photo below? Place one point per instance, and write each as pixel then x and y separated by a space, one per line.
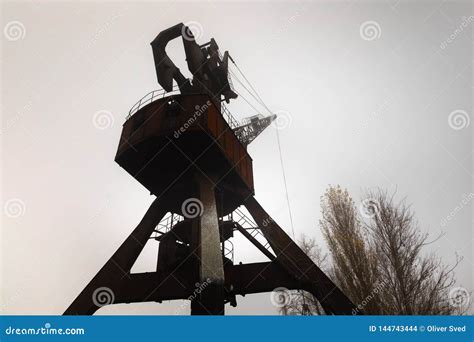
pixel 244 221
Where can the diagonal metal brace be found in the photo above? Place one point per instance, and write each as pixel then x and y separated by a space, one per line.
pixel 299 265
pixel 108 280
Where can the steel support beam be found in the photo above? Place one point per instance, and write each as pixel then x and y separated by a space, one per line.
pixel 299 265
pixel 259 277
pixel 107 281
pixel 291 268
pixel 153 287
pixel 243 279
pixel 255 242
pixel 210 301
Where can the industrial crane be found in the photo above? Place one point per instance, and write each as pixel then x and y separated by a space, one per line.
pixel 201 178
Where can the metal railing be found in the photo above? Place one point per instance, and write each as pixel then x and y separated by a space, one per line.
pixel 237 216
pixel 166 223
pixel 171 219
pixel 228 250
pixel 150 97
pixel 229 117
pixel 249 225
pixel 161 93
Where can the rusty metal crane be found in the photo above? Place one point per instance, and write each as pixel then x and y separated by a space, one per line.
pixel 188 151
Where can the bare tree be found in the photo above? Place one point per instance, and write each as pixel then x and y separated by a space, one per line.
pixel 414 283
pixel 377 258
pixel 354 261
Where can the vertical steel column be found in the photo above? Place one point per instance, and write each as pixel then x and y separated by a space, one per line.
pixel 210 300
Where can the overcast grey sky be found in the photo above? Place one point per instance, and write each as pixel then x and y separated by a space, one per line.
pixel 376 93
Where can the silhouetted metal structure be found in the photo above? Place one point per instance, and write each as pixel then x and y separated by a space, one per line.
pixel 187 149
